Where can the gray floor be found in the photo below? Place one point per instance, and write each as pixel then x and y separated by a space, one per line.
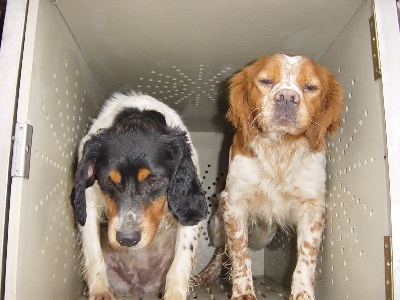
pixel 265 289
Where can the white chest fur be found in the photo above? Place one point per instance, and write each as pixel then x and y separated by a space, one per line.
pixel 279 179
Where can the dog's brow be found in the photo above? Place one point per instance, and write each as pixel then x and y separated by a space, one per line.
pixel 143 173
pixel 115 176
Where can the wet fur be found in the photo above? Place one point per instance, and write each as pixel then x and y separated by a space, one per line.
pixel 138 171
pixel 282 107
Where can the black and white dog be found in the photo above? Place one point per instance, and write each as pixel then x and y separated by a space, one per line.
pixel 138 174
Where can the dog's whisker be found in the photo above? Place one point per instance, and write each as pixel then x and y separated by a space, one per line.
pixel 278 183
pixel 253 122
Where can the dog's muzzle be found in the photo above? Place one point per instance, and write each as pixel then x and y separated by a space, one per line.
pixel 128 233
pixel 286 99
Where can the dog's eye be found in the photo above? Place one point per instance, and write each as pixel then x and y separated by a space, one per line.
pixel 153 181
pixel 266 81
pixel 110 182
pixel 309 87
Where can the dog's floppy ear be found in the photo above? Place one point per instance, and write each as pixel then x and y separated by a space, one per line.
pixel 186 199
pixel 239 112
pixel 84 177
pixel 328 119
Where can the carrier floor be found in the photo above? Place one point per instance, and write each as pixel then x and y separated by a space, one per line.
pixel 265 287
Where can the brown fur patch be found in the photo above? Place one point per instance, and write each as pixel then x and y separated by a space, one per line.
pixel 115 176
pixel 112 209
pixel 317 227
pixel 151 218
pixel 112 212
pixel 312 249
pixel 239 147
pixel 143 173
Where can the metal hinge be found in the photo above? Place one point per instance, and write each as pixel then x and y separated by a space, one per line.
pixel 21 150
pixel 375 49
pixel 388 267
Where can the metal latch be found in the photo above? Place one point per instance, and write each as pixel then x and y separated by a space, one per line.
pixel 375 49
pixel 388 267
pixel 22 150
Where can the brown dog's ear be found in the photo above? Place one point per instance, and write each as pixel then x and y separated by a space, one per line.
pixel 239 112
pixel 328 119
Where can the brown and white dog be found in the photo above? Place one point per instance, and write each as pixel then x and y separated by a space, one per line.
pixel 138 172
pixel 281 107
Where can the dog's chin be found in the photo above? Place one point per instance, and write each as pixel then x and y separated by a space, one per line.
pixel 283 126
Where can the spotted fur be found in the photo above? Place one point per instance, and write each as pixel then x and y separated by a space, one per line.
pixel 138 168
pixel 282 107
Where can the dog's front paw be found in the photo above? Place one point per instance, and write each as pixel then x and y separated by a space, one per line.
pixel 244 297
pixel 173 295
pixel 301 296
pixel 105 295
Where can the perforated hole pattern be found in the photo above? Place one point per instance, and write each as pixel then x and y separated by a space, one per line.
pixel 177 86
pixel 340 241
pixel 53 151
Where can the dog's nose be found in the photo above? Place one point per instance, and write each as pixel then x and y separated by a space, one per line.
pixel 128 238
pixel 287 98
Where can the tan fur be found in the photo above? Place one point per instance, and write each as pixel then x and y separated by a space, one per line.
pixel 115 176
pixel 281 107
pixel 143 173
pixel 151 218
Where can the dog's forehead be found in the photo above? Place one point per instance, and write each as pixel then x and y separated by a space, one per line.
pixel 280 67
pixel 290 67
pixel 291 70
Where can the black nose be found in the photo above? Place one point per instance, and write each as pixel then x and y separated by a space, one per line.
pixel 287 98
pixel 128 238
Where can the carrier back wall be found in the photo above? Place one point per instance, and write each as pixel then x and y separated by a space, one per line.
pixel 76 53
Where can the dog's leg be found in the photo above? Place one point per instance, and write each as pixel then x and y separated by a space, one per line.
pixel 217 236
pixel 178 277
pixel 309 235
pixel 236 238
pixel 94 265
pixel 208 274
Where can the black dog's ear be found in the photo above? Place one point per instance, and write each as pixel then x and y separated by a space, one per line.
pixel 84 177
pixel 186 199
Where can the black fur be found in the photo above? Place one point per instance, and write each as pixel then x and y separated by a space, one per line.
pixel 84 177
pixel 186 200
pixel 141 139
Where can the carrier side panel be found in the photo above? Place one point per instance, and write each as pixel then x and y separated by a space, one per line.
pixel 58 96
